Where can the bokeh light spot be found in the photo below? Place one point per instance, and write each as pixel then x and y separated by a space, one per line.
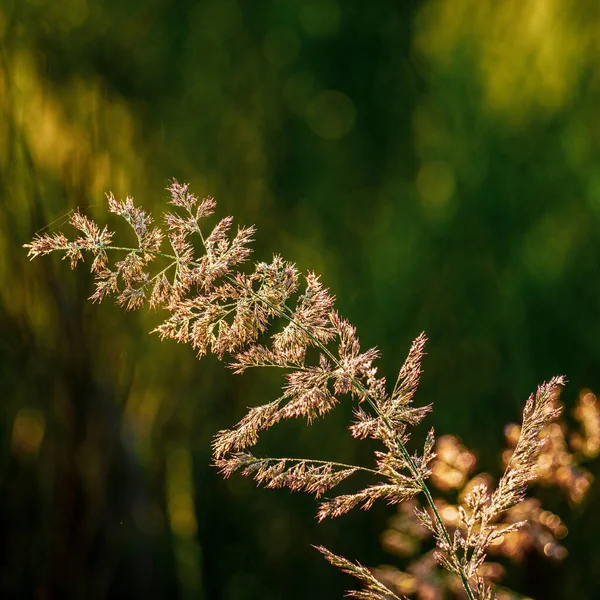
pixel 297 91
pixel 435 184
pixel 28 431
pixel 281 46
pixel 320 18
pixel 331 115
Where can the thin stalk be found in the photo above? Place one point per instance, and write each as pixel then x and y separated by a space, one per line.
pixel 324 462
pixel 163 271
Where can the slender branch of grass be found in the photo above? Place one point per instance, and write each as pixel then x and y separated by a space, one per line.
pixel 331 463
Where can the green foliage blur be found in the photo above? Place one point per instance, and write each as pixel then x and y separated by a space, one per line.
pixel 437 161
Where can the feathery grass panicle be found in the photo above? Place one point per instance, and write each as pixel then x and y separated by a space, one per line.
pixel 465 552
pixel 269 315
pixel 522 467
pixel 559 464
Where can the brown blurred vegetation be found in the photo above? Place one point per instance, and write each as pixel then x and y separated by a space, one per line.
pixel 436 161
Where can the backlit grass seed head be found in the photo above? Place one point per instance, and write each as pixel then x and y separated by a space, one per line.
pixel 267 314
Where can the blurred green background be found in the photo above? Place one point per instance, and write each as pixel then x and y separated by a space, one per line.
pixel 437 161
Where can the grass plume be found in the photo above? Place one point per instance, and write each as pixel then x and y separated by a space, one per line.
pixel 218 303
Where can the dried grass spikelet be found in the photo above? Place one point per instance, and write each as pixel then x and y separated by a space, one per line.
pixel 268 315
pixel 373 588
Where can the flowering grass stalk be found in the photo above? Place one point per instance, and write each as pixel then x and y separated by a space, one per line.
pixel 217 306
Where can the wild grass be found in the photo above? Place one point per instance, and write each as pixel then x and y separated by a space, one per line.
pixel 269 315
